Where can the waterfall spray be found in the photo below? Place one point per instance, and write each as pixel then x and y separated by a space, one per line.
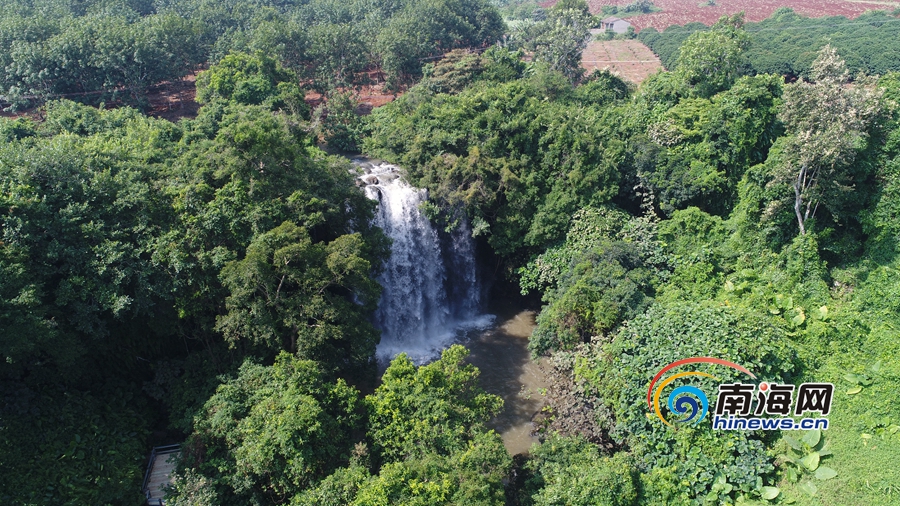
pixel 431 289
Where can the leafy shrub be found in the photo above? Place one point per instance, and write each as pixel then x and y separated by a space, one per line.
pixel 590 226
pixel 693 241
pixel 881 222
pixel 688 461
pixel 569 471
pixel 594 296
pixel 337 122
pixel 701 148
pixel 19 128
pixel 602 87
pixel 521 156
pixel 426 425
pixel 600 276
pixel 643 6
pixel 472 475
pixel 338 489
pixel 252 80
pixel 435 408
pixel 73 447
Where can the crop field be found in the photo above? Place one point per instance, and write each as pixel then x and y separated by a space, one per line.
pixel 630 59
pixel 680 12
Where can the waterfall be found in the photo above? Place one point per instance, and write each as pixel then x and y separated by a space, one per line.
pixel 431 290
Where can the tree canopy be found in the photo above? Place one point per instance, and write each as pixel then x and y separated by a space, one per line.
pixel 97 50
pixel 212 280
pixel 133 249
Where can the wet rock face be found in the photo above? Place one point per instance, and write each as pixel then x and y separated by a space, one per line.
pixel 379 175
pixel 367 165
pixel 387 177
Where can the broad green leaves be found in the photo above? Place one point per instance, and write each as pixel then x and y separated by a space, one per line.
pixel 810 461
pixel 671 331
pixel 770 493
pixel 812 438
pixel 811 448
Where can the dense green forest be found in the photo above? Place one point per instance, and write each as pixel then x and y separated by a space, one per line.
pixel 787 43
pixel 96 50
pixel 213 279
pixel 712 212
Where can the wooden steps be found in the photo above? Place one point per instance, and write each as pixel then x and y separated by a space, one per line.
pixel 159 473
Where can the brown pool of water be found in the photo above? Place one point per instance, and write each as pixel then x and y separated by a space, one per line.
pixel 507 370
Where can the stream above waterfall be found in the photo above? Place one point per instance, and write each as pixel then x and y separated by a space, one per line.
pixel 434 297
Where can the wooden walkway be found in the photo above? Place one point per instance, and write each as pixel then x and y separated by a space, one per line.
pixel 159 473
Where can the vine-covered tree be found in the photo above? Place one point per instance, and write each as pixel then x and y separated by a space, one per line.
pixel 560 39
pixel 711 61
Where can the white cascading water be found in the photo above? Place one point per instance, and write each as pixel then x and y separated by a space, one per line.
pixel 431 289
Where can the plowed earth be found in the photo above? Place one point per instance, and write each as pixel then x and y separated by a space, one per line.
pixel 628 59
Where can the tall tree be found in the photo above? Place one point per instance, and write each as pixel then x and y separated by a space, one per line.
pixel 561 38
pixel 436 408
pixel 710 61
pixel 293 293
pixel 827 121
pixel 266 434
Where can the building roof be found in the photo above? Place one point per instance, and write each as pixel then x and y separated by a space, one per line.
pixel 612 19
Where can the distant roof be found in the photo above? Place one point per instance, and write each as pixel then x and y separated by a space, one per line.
pixel 612 19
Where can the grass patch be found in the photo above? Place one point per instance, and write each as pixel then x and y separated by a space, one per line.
pixel 864 434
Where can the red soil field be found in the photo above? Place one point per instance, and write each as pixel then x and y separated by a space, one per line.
pixel 177 99
pixel 369 96
pixel 628 59
pixel 680 12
